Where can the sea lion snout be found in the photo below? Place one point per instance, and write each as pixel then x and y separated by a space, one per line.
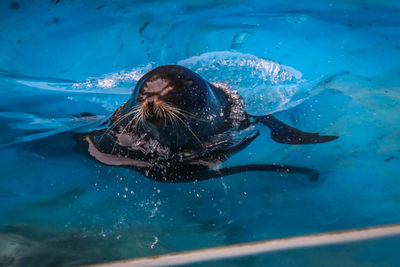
pixel 148 106
pixel 177 107
pixel 153 111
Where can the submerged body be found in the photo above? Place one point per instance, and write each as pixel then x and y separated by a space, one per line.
pixel 176 127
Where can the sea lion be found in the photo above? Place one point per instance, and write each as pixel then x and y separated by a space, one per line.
pixel 176 127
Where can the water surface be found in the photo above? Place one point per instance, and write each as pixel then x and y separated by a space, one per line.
pixel 322 66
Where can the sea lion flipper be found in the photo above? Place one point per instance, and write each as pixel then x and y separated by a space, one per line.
pixel 311 173
pixel 285 134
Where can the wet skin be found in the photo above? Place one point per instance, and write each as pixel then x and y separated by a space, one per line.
pixel 176 127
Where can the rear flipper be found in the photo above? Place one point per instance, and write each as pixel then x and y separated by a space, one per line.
pixel 311 173
pixel 285 134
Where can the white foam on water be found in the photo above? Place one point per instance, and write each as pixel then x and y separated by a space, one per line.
pixel 265 85
pixel 266 69
pixel 124 80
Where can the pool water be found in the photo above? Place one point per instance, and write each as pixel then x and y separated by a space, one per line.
pixel 329 66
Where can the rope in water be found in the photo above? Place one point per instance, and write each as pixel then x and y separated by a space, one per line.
pixel 253 248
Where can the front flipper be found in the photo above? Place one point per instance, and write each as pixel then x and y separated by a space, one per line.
pixel 285 134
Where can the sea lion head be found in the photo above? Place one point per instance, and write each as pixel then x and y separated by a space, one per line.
pixel 176 106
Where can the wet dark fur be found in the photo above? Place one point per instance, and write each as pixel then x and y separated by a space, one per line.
pixel 211 126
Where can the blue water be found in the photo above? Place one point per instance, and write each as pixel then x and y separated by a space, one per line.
pixel 321 66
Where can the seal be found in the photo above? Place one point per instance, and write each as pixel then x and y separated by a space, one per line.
pixel 177 127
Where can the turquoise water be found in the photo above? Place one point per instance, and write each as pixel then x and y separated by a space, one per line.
pixel 322 66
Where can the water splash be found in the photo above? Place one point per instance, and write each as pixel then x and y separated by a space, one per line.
pixel 265 85
pixel 25 127
pixel 123 80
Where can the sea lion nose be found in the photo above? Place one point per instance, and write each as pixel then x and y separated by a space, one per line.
pixel 150 104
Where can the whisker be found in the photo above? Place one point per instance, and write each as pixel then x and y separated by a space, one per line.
pixel 117 122
pixel 133 110
pixel 138 118
pixel 164 114
pixel 184 112
pixel 187 127
pixel 172 119
pixel 123 130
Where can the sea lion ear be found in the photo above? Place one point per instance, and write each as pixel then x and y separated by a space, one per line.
pixel 285 134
